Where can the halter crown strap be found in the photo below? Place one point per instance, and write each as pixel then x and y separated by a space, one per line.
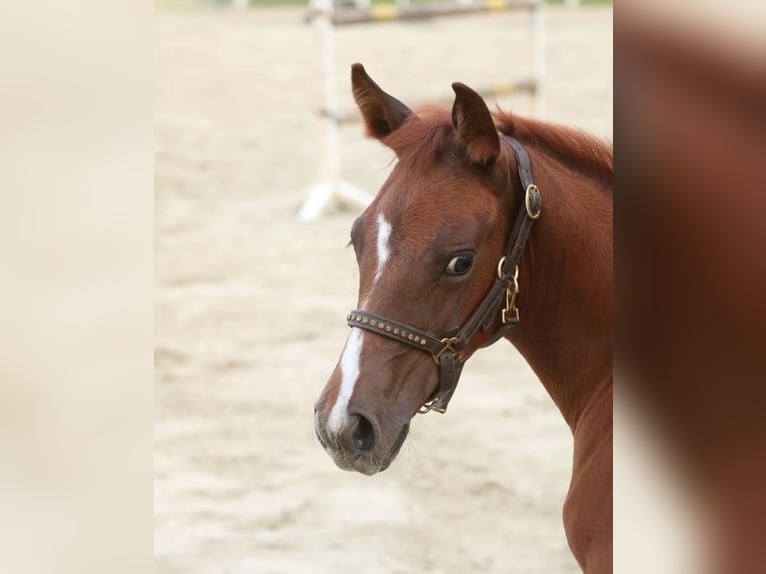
pixel 446 351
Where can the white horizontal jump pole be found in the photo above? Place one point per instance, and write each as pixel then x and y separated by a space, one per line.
pixel 331 185
pixel 389 12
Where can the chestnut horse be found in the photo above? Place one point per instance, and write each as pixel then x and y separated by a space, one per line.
pixel 484 223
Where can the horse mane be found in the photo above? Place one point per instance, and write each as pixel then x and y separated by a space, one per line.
pixel 572 147
pixel 432 134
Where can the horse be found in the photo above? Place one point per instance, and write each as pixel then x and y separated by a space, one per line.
pixel 488 227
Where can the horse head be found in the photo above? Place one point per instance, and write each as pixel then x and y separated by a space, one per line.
pixel 429 249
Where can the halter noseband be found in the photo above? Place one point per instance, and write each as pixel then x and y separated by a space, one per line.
pixel 446 351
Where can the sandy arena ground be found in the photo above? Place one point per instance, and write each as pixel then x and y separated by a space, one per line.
pixel 251 305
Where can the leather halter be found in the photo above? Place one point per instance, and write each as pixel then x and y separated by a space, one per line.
pixel 446 351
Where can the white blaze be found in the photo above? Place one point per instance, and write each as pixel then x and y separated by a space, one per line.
pixel 349 373
pixel 384 233
pixel 349 361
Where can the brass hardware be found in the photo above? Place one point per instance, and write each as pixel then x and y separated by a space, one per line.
pixel 422 341
pixel 373 322
pixel 396 331
pixel 527 201
pixel 500 267
pixel 364 319
pixel 388 328
pixel 447 345
pixel 427 407
pixel 515 317
pixel 417 339
pixel 510 299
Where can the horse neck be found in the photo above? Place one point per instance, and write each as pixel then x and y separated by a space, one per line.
pixel 565 298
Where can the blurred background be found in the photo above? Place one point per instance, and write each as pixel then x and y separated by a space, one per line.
pixel 250 301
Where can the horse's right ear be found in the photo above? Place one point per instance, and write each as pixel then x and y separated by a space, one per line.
pixel 381 112
pixel 474 125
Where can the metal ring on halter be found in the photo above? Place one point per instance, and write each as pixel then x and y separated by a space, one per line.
pixel 500 267
pixel 528 199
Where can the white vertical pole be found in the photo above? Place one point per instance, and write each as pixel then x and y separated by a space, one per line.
pixel 330 185
pixel 321 193
pixel 539 49
pixel 330 95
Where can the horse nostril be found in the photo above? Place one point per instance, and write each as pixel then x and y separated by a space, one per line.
pixel 363 437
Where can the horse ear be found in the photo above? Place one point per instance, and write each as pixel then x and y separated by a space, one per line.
pixel 474 125
pixel 381 112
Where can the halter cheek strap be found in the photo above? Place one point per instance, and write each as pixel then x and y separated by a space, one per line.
pixel 500 299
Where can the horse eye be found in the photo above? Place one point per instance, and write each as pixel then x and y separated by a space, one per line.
pixel 460 264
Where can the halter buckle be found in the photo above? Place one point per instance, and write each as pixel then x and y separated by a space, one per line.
pixel 447 343
pixel 532 188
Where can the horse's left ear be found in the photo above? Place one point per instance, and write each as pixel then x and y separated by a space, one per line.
pixel 475 126
pixel 382 112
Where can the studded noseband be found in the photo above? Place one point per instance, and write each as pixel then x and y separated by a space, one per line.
pixel 447 351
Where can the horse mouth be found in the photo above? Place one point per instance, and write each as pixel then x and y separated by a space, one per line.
pixel 320 438
pixel 394 450
pixel 369 465
pixel 364 463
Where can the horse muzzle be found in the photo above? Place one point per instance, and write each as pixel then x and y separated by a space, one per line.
pixel 358 444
